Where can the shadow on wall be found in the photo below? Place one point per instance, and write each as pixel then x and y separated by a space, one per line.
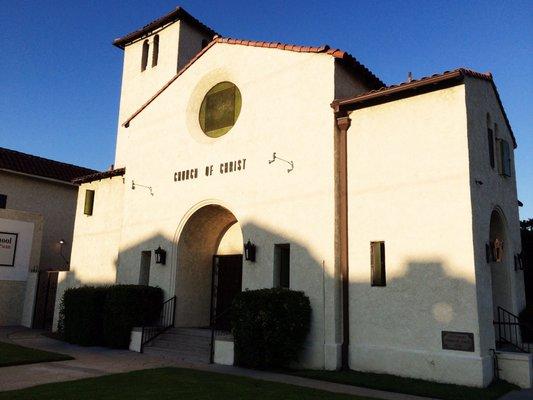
pixel 421 297
pixel 420 300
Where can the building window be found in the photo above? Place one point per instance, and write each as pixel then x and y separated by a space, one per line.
pixel 220 109
pixel 282 264
pixel 144 60
pixel 144 273
pixel 505 157
pixel 377 263
pixel 490 138
pixel 89 202
pixel 155 51
pixel 3 200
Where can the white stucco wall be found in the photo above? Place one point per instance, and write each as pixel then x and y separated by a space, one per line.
pixel 95 254
pixel 495 193
pixel 408 185
pixel 178 43
pixel 278 88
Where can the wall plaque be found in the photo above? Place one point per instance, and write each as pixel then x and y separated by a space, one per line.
pixel 8 248
pixel 461 341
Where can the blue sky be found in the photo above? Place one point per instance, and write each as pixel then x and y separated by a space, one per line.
pixel 60 76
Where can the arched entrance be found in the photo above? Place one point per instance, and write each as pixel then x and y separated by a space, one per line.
pixel 499 263
pixel 211 235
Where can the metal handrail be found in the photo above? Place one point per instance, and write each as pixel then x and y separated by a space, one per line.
pixel 213 330
pixel 165 321
pixel 510 331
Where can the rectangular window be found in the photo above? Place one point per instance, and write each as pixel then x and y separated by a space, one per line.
pixel 282 262
pixel 490 138
pixel 505 158
pixel 377 263
pixel 89 202
pixel 3 200
pixel 144 273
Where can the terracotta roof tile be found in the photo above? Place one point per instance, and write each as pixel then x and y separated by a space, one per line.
pixel 177 14
pixel 406 89
pixel 100 175
pixel 32 165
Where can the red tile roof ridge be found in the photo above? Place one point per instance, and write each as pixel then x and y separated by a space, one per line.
pixel 174 15
pixel 415 84
pixel 17 161
pixel 100 175
pixel 458 71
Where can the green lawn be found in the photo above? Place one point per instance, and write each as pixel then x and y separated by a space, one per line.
pixel 12 354
pixel 171 383
pixel 410 386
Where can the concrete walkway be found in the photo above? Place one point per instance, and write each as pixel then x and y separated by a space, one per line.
pixel 524 394
pixel 98 361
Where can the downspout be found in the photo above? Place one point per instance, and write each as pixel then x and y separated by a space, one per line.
pixel 343 123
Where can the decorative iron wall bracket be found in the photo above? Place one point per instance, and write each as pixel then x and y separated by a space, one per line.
pixel 275 157
pixel 134 185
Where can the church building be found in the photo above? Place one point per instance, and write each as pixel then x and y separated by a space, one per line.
pixel 393 208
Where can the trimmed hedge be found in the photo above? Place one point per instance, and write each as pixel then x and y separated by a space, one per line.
pixel 128 306
pixel 83 315
pixel 105 315
pixel 526 318
pixel 269 326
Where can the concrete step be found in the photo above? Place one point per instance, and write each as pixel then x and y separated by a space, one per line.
pixel 177 344
pixel 182 344
pixel 184 338
pixel 195 332
pixel 178 355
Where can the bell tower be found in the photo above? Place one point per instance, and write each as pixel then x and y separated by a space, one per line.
pixel 155 53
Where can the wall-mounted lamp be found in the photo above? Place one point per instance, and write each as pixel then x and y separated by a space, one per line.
pixel 61 243
pixel 134 185
pixel 160 256
pixel 249 251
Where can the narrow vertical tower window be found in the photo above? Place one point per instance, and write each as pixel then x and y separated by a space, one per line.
pixel 144 60
pixel 155 51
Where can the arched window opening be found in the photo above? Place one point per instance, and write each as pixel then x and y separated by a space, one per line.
pixel 155 51
pixel 144 60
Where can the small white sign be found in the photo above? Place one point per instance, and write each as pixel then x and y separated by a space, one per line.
pixel 8 248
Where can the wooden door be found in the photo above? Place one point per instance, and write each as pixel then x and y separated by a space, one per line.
pixel 227 283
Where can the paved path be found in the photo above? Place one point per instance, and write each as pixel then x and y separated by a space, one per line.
pixel 524 394
pixel 97 361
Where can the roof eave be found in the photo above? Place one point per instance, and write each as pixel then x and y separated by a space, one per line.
pixel 175 15
pixel 409 89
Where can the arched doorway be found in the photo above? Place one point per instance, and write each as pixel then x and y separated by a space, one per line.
pixel 499 263
pixel 211 235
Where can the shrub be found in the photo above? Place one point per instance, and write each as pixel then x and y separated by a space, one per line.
pixel 128 306
pixel 269 326
pixel 105 315
pixel 83 315
pixel 526 319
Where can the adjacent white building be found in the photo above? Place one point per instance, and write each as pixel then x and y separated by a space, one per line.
pixel 393 208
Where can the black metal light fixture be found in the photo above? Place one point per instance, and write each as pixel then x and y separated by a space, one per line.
pixel 249 251
pixel 160 256
pixel 61 244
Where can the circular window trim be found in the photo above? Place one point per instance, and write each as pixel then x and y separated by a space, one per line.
pixel 220 109
pixel 196 96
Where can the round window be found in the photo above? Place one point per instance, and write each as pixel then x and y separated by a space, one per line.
pixel 220 109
